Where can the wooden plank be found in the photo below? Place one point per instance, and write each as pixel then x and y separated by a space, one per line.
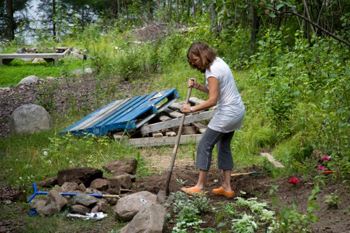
pixel 164 118
pixel 177 106
pixel 195 100
pixel 147 142
pixel 206 115
pixel 200 126
pixel 172 113
pixel 272 160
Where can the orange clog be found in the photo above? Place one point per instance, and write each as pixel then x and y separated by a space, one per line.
pixel 221 191
pixel 193 191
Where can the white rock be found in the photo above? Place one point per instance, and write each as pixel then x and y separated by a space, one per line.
pixel 29 80
pixel 29 119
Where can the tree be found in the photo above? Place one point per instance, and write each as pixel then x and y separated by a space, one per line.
pixel 9 23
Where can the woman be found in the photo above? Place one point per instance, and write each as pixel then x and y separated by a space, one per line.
pixel 223 92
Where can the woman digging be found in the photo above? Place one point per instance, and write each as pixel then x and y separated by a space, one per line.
pixel 223 92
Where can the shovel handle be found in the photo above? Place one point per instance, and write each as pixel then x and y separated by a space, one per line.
pixel 177 142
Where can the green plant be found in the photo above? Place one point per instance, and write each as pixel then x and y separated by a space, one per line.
pixel 188 210
pixel 333 201
pixel 181 182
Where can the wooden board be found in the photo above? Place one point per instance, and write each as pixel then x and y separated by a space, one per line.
pixel 206 115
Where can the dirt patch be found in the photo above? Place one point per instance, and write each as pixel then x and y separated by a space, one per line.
pixel 330 220
pixel 81 94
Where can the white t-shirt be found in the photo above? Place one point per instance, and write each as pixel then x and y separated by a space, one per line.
pixel 230 108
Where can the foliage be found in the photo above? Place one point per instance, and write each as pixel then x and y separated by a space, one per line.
pixel 188 211
pixel 333 201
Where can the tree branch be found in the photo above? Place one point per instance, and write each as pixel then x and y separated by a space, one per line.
pixel 321 28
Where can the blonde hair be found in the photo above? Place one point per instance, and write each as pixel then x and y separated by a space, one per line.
pixel 204 52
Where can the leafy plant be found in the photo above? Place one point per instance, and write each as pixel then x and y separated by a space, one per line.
pixel 333 201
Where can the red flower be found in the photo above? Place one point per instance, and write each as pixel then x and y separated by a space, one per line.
pixel 320 167
pixel 293 180
pixel 325 158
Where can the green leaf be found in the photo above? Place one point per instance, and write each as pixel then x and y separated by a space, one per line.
pixel 280 6
pixel 272 15
pixel 221 224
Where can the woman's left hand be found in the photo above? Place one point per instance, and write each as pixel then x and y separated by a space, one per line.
pixel 186 108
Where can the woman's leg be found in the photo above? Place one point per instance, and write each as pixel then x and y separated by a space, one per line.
pixel 225 161
pixel 201 179
pixel 203 158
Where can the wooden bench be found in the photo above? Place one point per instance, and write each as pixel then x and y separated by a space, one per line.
pixel 48 57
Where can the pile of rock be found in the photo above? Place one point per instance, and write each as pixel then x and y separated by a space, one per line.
pixel 142 208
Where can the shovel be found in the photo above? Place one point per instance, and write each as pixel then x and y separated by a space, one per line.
pixel 36 192
pixel 163 194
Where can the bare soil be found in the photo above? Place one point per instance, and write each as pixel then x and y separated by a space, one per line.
pixel 84 95
pixel 330 220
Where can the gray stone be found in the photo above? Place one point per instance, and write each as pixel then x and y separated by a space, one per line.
pixel 69 187
pixel 4 89
pixel 88 71
pixel 99 184
pixel 132 177
pixel 81 209
pixel 128 165
pixel 127 207
pixel 150 219
pixel 77 72
pixel 113 182
pixel 82 188
pixel 37 204
pixel 79 175
pixel 124 181
pixel 29 119
pixel 92 191
pixel 54 203
pixel 85 200
pixel 29 80
pixel 48 182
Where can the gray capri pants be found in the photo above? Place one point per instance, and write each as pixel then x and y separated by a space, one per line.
pixel 206 145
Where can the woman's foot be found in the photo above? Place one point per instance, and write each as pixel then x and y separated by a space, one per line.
pixel 193 191
pixel 221 191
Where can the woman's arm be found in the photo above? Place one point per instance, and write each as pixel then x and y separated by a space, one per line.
pixel 192 82
pixel 212 100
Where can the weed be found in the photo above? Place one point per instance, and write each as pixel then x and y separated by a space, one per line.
pixel 333 201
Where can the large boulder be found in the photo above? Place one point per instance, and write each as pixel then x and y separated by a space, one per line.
pixel 29 119
pixel 79 175
pixel 128 165
pixel 127 207
pixel 150 219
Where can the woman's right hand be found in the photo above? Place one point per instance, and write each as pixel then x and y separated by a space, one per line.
pixel 192 82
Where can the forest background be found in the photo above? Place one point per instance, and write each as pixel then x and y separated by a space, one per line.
pixel 290 58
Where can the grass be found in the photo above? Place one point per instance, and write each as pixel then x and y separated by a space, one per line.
pixel 13 73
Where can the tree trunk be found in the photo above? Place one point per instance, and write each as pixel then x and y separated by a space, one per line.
pixel 170 9
pixel 255 28
pixel 10 29
pixel 118 9
pixel 212 12
pixel 54 19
